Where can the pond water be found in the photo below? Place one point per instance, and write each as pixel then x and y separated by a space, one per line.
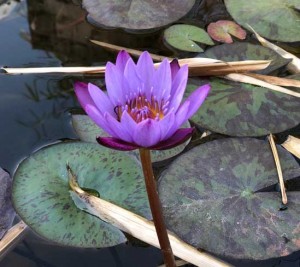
pixel 34 111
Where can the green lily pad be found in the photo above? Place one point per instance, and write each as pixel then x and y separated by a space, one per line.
pixel 87 131
pixel 222 30
pixel 41 193
pixel 240 109
pixel 245 51
pixel 273 19
pixel 183 37
pixel 7 213
pixel 220 197
pixel 136 14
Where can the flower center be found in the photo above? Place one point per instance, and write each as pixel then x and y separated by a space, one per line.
pixel 140 108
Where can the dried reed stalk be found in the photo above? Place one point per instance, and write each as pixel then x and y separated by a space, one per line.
pixel 293 66
pixel 275 80
pixel 12 237
pixel 292 144
pixel 279 170
pixel 138 226
pixel 246 79
pixel 197 67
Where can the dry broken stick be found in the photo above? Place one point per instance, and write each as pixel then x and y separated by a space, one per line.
pixel 293 66
pixel 251 80
pixel 279 170
pixel 13 236
pixel 292 144
pixel 137 226
pixel 197 67
pixel 275 80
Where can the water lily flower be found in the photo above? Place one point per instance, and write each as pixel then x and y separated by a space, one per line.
pixel 142 107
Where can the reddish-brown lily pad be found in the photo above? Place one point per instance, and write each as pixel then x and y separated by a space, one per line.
pixel 137 14
pixel 222 30
pixel 221 196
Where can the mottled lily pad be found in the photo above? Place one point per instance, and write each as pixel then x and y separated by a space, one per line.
pixel 245 51
pixel 222 30
pixel 184 37
pixel 137 14
pixel 7 213
pixel 41 193
pixel 240 109
pixel 220 196
pixel 87 131
pixel 273 19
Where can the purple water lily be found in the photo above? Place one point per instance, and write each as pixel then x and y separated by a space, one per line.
pixel 142 107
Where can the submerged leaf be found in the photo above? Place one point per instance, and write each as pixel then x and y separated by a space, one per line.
pixel 42 199
pixel 222 29
pixel 183 37
pixel 219 190
pixel 273 19
pixel 7 213
pixel 136 14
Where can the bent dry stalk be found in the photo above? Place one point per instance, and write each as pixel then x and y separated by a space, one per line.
pixel 156 208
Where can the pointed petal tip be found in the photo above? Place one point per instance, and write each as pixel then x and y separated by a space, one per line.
pixel 205 88
pixel 116 144
pixel 80 85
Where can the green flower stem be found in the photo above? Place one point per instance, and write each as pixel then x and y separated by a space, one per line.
pixel 156 208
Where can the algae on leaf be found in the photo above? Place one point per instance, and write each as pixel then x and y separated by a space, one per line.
pixel 221 197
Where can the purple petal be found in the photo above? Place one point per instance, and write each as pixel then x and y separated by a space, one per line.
pixel 178 87
pixel 196 99
pixel 115 143
pixel 98 118
pixel 147 133
pixel 179 137
pixel 82 93
pixel 145 70
pixel 134 81
pixel 191 105
pixel 174 67
pixel 114 81
pixel 118 128
pixel 101 100
pixel 128 122
pixel 166 124
pixel 162 80
pixel 122 59
pixel 181 115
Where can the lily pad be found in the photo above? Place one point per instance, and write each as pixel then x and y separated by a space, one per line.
pixel 240 109
pixel 7 213
pixel 245 51
pixel 87 131
pixel 273 19
pixel 222 30
pixel 137 14
pixel 41 192
pixel 217 197
pixel 183 37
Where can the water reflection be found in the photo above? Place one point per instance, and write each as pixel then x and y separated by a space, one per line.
pixel 33 109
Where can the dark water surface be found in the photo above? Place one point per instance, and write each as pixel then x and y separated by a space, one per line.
pixel 33 112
